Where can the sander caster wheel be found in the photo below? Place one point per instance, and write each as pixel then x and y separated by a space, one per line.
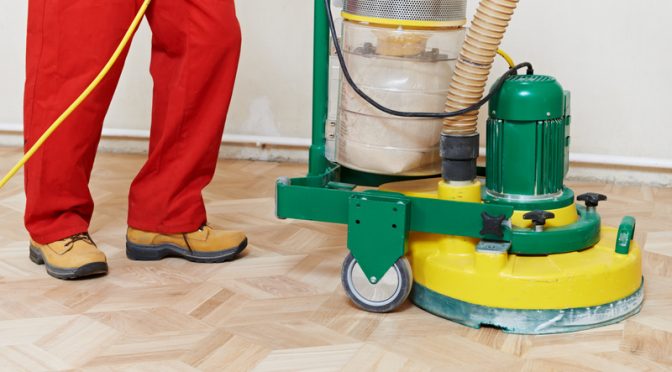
pixel 386 294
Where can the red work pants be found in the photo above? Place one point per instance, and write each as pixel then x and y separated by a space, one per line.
pixel 195 52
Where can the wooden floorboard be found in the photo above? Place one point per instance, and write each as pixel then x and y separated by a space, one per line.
pixel 281 306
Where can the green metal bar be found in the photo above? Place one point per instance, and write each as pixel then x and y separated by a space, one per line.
pixel 331 205
pixel 446 217
pixel 320 199
pixel 318 163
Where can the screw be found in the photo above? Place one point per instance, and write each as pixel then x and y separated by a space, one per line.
pixel 548 114
pixel 373 279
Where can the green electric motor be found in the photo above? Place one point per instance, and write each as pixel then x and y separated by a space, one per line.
pixel 528 144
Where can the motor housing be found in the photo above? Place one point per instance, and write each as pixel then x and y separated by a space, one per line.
pixel 528 134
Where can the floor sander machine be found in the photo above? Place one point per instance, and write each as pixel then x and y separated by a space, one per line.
pixel 506 245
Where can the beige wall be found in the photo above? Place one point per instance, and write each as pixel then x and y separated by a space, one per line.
pixel 273 87
pixel 613 56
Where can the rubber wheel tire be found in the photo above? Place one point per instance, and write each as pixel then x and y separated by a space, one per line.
pixel 400 272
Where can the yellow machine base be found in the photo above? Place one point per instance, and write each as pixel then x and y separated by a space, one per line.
pixel 527 321
pixel 526 294
pixel 595 276
pixel 517 293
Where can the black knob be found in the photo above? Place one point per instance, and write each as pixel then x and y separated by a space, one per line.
pixel 538 218
pixel 492 225
pixel 592 199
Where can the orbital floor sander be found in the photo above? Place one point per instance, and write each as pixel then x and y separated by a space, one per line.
pixel 506 245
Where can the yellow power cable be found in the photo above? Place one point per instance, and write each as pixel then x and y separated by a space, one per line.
pixel 507 58
pixel 94 84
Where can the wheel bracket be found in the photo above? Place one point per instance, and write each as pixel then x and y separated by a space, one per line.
pixel 378 225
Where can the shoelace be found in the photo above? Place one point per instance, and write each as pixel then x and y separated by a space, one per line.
pixel 85 237
pixel 186 240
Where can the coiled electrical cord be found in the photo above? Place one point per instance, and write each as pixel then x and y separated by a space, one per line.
pixel 438 115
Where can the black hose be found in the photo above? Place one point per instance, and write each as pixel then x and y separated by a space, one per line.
pixel 440 115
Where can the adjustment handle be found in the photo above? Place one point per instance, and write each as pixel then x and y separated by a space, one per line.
pixel 592 199
pixel 539 217
pixel 492 225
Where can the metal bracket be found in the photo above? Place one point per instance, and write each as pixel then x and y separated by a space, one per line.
pixel 378 225
pixel 488 246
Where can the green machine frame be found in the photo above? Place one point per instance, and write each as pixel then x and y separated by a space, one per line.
pixel 379 222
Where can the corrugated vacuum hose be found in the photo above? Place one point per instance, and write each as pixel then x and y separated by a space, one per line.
pixel 474 63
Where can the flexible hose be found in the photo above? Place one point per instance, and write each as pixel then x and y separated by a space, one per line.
pixel 473 65
pixel 94 84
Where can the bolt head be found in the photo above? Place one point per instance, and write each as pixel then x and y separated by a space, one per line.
pixel 374 279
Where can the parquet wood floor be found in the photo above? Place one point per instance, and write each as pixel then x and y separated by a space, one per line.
pixel 281 306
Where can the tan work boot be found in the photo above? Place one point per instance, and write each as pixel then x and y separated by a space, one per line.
pixel 71 258
pixel 206 245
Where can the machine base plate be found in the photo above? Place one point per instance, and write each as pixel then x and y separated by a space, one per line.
pixel 527 321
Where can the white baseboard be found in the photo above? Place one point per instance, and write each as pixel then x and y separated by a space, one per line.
pixel 234 146
pixel 620 174
pixel 657 172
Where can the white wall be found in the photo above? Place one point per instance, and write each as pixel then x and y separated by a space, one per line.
pixel 12 44
pixel 614 56
pixel 272 89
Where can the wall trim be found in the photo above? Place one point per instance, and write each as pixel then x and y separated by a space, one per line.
pixel 623 161
pixel 298 142
pixel 142 134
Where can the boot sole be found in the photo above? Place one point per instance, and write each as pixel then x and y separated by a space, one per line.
pixel 139 252
pixel 90 269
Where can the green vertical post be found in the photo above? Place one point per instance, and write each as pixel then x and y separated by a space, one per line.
pixel 318 163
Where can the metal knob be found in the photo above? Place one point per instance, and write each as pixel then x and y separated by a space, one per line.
pixel 538 218
pixel 591 199
pixel 492 225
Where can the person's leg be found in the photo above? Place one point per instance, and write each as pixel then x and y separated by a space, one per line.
pixel 196 47
pixel 68 43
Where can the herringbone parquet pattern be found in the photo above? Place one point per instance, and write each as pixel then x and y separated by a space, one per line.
pixel 281 307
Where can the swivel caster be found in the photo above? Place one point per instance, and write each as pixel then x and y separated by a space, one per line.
pixel 387 294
